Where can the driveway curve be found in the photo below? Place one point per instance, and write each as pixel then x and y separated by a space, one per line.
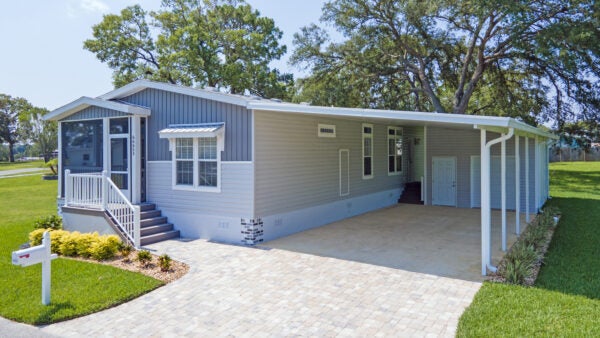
pixel 241 291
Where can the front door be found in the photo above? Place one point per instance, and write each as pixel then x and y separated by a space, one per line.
pixel 119 155
pixel 443 181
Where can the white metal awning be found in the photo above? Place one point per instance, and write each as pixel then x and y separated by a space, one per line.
pixel 191 130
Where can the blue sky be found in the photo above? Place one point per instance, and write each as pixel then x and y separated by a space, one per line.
pixel 41 54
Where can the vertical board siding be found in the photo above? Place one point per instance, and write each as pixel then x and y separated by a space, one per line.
pixel 295 169
pixel 234 200
pixel 171 108
pixel 93 112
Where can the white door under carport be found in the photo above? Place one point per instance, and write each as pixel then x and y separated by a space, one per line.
pixel 443 180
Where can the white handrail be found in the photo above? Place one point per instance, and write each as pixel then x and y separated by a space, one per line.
pixel 98 191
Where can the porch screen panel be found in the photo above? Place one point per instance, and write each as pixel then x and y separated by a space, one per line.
pixel 82 146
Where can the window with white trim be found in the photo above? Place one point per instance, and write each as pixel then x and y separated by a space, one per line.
pixel 184 161
pixel 367 150
pixel 394 150
pixel 207 162
pixel 196 155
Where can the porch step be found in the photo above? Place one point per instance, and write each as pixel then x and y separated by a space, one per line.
pixel 153 226
pixel 411 193
pixel 152 221
pixel 147 206
pixel 159 237
pixel 154 229
pixel 146 214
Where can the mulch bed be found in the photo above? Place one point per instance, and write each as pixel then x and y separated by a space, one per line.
pixel 530 281
pixel 177 270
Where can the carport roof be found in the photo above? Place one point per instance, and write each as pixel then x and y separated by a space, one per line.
pixel 412 117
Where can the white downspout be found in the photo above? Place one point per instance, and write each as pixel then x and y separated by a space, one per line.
pixel 486 219
pixel 537 178
pixel 503 189
pixel 517 186
pixel 527 218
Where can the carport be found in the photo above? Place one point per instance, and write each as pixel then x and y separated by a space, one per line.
pixel 442 241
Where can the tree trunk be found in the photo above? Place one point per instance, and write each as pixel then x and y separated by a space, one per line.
pixel 11 152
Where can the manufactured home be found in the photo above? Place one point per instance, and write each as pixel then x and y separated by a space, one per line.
pixel 152 161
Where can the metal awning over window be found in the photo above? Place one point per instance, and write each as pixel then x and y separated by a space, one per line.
pixel 192 130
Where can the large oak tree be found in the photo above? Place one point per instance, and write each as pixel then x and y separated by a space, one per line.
pixel 535 60
pixel 217 43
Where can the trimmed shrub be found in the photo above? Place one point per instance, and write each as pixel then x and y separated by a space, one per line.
pixel 35 237
pixel 56 239
pixel 68 247
pixel 144 257
pixel 49 222
pixel 85 242
pixel 105 247
pixel 164 262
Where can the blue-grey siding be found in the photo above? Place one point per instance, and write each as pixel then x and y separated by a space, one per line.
pixel 171 108
pixel 93 112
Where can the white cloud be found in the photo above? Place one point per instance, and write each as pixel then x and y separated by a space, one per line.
pixel 76 8
pixel 94 6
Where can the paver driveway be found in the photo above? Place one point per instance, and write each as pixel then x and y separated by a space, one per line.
pixel 240 291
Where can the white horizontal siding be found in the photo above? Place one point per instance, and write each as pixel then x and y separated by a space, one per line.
pixel 235 198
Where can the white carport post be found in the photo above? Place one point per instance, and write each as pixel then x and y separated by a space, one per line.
pixel 486 219
pixel 517 186
pixel 485 205
pixel 527 219
pixel 503 189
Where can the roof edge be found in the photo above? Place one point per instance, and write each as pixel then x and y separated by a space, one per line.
pixel 139 85
pixel 85 101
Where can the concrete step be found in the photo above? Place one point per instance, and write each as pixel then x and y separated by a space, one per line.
pixel 149 214
pixel 147 206
pixel 162 236
pixel 152 221
pixel 154 229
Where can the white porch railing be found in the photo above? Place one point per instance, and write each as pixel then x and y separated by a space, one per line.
pixel 98 191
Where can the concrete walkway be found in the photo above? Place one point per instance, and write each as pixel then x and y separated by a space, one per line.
pixel 241 291
pixel 21 172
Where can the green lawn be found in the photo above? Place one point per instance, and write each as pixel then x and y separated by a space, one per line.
pixel 566 298
pixel 21 165
pixel 78 288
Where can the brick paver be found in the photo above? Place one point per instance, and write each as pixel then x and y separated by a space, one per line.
pixel 241 291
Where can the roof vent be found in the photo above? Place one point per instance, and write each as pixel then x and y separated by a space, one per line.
pixel 305 103
pixel 276 100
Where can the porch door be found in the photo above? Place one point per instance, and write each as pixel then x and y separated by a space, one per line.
pixel 120 154
pixel 444 181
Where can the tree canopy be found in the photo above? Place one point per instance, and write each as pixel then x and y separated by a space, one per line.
pixel 217 43
pixel 20 121
pixel 533 60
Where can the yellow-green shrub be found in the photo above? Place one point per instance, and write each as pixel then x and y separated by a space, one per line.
pixel 79 244
pixel 56 239
pixel 85 242
pixel 35 237
pixel 105 247
pixel 68 247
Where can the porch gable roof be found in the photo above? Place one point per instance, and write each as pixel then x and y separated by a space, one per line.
pixel 85 102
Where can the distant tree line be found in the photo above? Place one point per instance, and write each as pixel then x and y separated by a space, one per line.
pixel 22 130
